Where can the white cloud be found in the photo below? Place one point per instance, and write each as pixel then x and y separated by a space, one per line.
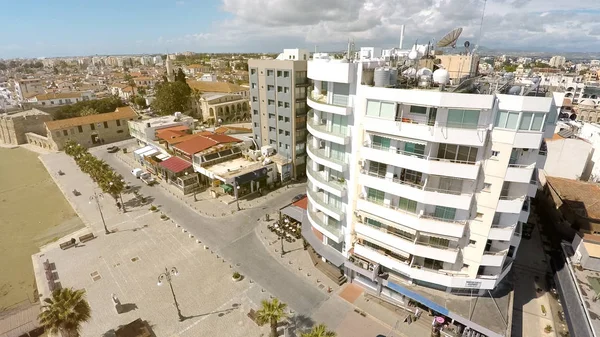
pixel 261 25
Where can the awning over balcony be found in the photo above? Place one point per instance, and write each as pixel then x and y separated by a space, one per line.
pixel 329 253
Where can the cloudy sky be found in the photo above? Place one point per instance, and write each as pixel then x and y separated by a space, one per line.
pixel 34 28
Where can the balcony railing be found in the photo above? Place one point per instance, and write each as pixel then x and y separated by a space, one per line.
pixel 338 99
pixel 391 232
pixel 419 186
pixel 400 210
pixel 321 154
pixel 319 177
pixel 333 229
pixel 323 128
pixel 319 199
pixel 433 245
pixel 411 154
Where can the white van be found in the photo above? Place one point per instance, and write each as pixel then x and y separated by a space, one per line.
pixel 137 172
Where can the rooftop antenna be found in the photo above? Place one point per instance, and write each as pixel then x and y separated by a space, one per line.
pixel 450 38
pixel 480 27
pixel 401 36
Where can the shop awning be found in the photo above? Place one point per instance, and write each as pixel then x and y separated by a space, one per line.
pixel 175 164
pixel 227 188
pixel 419 298
pixel 329 253
pixel 143 149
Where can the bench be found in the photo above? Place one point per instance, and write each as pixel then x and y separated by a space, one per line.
pixel 87 237
pixel 67 245
pixel 252 315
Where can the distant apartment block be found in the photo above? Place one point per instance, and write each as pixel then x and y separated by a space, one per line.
pixel 61 98
pixel 278 90
pixel 26 88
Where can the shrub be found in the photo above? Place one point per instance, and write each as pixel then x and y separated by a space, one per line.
pixel 153 208
pixel 543 309
pixel 164 217
pixel 236 275
pixel 548 328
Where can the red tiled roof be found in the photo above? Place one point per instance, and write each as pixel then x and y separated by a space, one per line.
pixel 174 128
pixel 169 134
pixel 203 142
pixel 181 139
pixel 302 203
pixel 175 164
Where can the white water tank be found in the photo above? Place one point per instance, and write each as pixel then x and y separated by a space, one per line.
pixel 382 77
pixel 393 76
pixel 441 76
pixel 424 72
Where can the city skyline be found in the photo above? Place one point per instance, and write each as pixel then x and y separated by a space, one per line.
pixel 111 27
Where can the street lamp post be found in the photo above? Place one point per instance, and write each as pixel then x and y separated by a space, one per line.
pixel 167 276
pixel 236 191
pixel 95 197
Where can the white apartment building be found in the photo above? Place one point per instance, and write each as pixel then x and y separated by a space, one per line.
pixel 420 187
pixel 557 61
pixel 144 130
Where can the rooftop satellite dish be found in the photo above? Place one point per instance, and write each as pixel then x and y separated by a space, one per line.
pixel 450 38
pixel 467 44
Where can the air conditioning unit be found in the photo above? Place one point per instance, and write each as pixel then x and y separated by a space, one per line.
pixel 361 163
pixel 421 213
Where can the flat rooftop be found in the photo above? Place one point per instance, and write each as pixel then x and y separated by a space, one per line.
pixel 163 120
pixel 234 168
pixel 588 283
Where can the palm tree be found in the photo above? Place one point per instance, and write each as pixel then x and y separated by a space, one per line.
pixel 319 331
pixel 65 311
pixel 271 313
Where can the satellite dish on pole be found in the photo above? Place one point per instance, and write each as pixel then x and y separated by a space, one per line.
pixel 467 44
pixel 450 38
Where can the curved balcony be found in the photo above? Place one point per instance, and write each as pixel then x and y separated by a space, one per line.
pixel 332 186
pixel 406 244
pixel 439 132
pixel 416 192
pixel 320 131
pixel 320 102
pixel 320 157
pixel 333 232
pixel 422 163
pixel 316 199
pixel 420 222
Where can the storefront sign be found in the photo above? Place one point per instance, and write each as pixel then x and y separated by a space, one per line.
pixel 472 284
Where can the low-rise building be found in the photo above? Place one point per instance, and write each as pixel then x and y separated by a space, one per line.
pixel 577 203
pixel 568 156
pixel 218 108
pixel 587 251
pixel 14 127
pixel 145 130
pixel 61 98
pixel 29 87
pixel 90 130
pixel 219 88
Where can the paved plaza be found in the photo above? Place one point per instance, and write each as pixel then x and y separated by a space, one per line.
pixel 129 260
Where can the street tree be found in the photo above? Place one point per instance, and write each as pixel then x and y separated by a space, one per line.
pixel 88 111
pixel 271 312
pixel 65 311
pixel 319 331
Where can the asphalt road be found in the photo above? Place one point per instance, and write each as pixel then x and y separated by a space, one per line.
pixel 234 238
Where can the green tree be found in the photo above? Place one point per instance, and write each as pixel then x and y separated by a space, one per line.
pixel 271 313
pixel 88 111
pixel 141 91
pixel 511 68
pixel 171 97
pixel 180 76
pixel 65 311
pixel 140 101
pixel 113 183
pixel 319 331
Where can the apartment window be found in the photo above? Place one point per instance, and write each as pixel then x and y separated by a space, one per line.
pixel 472 242
pixel 269 72
pixel 92 126
pixel 255 112
pixel 487 187
pixel 465 119
pixel 339 124
pixel 280 131
pixel 507 119
pixel 280 104
pixel 286 105
pixel 280 144
pixel 271 116
pixel 280 118
pixel 271 129
pixel 80 128
pixel 407 205
pixel 338 152
pixel 278 73
pixel 252 71
pixel 446 213
pixel 457 153
pixel 434 241
pixel 415 109
pixel 65 132
pixel 286 74
pixel 495 154
pixel 451 185
pixel 272 142
pixel 271 102
pixel 279 89
pixel 287 133
pixel 254 99
pixel 375 196
pixel 531 121
pixel 378 169
pixel 379 109
pixel 270 87
pixel 255 124
pixel 118 122
pixel 418 149
pixel 381 142
pixel 286 119
pixel 433 264
pixel 286 90
pixel 106 125
pixel 411 176
pixel 287 146
pixel 496 219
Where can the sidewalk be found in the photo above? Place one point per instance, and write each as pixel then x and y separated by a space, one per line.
pixel 211 207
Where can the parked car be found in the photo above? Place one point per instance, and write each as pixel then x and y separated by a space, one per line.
pixel 137 172
pixel 298 197
pixel 147 178
pixel 112 149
